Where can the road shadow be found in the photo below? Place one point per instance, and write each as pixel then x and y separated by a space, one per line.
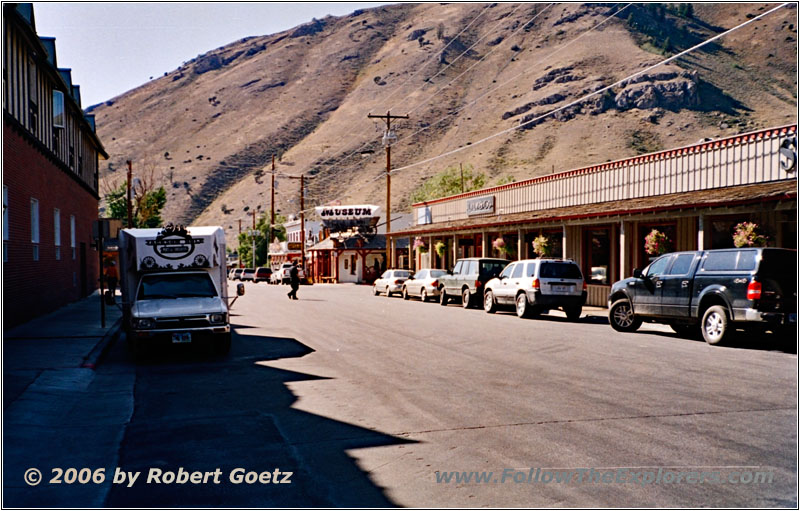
pixel 740 339
pixel 203 412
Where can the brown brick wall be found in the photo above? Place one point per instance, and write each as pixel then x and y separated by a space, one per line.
pixel 32 288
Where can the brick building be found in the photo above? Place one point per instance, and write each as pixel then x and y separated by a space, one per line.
pixel 50 176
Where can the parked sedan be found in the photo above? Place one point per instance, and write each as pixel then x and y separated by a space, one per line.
pixel 424 284
pixel 536 286
pixel 237 274
pixel 248 274
pixel 262 275
pixel 390 282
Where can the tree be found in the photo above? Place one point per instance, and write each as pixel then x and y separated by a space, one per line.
pixel 448 182
pixel 262 242
pixel 147 200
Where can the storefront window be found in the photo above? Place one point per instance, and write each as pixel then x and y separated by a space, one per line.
pixel 597 267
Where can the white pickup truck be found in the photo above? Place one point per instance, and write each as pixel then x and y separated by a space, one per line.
pixel 174 286
pixel 283 274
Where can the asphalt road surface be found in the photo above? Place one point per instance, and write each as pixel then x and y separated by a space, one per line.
pixel 375 401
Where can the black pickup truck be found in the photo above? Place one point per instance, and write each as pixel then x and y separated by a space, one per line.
pixel 711 292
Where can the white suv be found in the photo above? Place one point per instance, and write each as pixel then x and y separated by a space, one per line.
pixel 535 286
pixel 283 275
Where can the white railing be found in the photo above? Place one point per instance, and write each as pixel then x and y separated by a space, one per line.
pixel 740 160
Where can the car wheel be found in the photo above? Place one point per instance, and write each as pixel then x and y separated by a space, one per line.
pixel 488 302
pixel 466 298
pixel 573 313
pixel 443 299
pixel 423 295
pixel 715 326
pixel 622 318
pixel 405 293
pixel 522 306
pixel 388 294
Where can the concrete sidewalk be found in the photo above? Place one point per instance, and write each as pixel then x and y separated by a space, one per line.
pixel 70 337
pixel 59 410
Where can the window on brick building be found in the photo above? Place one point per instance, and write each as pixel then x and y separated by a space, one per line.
pixel 35 228
pixel 33 97
pixel 72 235
pixel 58 109
pixel 57 232
pixel 5 223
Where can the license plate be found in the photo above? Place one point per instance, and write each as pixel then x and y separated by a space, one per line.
pixel 182 337
pixel 560 289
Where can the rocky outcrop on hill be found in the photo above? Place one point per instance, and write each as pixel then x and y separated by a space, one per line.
pixel 669 90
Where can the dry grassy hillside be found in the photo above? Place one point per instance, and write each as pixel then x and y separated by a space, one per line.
pixel 211 126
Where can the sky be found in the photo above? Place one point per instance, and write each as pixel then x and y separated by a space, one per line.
pixel 113 47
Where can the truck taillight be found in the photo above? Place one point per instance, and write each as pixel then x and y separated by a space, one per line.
pixel 754 290
pixel 478 283
pixel 585 287
pixel 536 284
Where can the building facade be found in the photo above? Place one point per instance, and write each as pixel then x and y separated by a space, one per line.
pixel 600 215
pixel 50 176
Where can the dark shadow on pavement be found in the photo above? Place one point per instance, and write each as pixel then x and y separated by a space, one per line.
pixel 202 413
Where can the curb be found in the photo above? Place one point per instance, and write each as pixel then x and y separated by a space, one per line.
pixel 102 347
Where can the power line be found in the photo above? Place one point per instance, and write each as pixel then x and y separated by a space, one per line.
pixel 600 91
pixel 481 60
pixel 595 93
pixel 561 48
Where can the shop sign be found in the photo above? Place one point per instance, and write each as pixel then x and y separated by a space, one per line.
pixel 347 212
pixel 480 205
pixel 294 245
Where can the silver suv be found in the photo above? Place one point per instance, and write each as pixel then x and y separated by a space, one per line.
pixel 535 286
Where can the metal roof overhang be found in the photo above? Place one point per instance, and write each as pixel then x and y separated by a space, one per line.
pixel 732 196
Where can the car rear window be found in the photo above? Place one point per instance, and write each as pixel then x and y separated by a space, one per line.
pixel 559 271
pixel 437 273
pixel 402 274
pixel 720 261
pixel 779 263
pixel 747 260
pixel 492 268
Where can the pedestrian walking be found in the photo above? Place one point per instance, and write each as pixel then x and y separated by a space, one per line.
pixel 294 281
pixel 112 277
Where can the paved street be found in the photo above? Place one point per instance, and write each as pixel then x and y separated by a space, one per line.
pixel 365 399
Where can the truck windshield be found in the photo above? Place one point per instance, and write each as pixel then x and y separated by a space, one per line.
pixel 177 285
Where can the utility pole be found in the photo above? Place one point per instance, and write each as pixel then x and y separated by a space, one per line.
pixel 302 223
pixel 253 238
pixel 389 138
pixel 130 206
pixel 272 211
pixel 302 178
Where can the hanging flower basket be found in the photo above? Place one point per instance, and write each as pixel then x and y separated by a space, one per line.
pixel 541 246
pixel 656 243
pixel 420 246
pixel 746 234
pixel 500 245
pixel 440 248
